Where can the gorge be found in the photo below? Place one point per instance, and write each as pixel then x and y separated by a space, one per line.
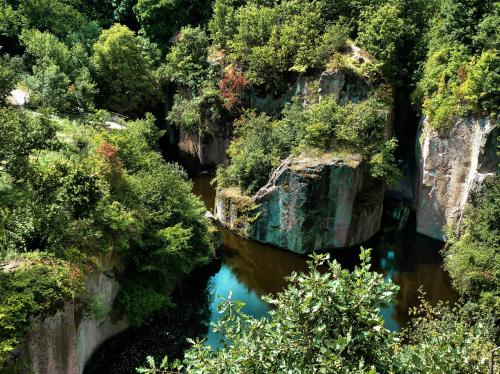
pixel 249 186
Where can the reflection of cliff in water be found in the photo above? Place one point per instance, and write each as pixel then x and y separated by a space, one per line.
pixel 414 263
pixel 259 267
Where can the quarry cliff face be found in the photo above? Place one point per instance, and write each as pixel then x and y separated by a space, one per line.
pixel 209 143
pixel 452 166
pixel 309 203
pixel 63 343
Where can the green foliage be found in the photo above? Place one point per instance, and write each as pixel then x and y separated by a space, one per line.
pixel 222 25
pixel 447 340
pixel 272 40
pixel 488 30
pixel 461 74
pixel 328 321
pixel 381 33
pixel 260 143
pixel 20 136
pixel 126 82
pixel 74 195
pixel 32 286
pixel 10 69
pixel 473 252
pixel 186 62
pixel 185 113
pixel 60 76
pixel 10 19
pixel 60 17
pixel 253 153
pixel 481 88
pixel 160 20
pixel 382 164
pixel 199 111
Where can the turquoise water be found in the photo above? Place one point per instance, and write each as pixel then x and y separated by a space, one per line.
pixel 224 285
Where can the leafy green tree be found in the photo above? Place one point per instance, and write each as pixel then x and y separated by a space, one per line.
pixel 48 86
pixel 60 76
pixel 457 21
pixel 450 340
pixel 222 25
pixel 381 33
pixel 487 35
pixel 252 154
pixel 160 20
pixel 481 88
pixel 11 20
pixel 60 17
pixel 186 63
pixel 126 82
pixel 10 71
pixel 22 135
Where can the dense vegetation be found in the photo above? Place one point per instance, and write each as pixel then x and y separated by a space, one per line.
pixel 261 142
pixel 473 251
pixel 461 75
pixel 72 190
pixel 329 322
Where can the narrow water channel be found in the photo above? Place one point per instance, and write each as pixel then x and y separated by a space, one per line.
pixel 249 270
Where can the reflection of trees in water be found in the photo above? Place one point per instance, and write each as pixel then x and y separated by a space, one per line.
pixel 165 334
pixel 259 267
pixel 412 261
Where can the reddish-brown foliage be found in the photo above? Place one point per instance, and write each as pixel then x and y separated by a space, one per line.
pixel 232 87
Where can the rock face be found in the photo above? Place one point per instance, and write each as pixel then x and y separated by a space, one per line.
pixel 208 147
pixel 309 203
pixel 209 144
pixel 62 343
pixel 451 167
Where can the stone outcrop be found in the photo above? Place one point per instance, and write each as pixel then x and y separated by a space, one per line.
pixel 210 142
pixel 208 147
pixel 309 203
pixel 451 167
pixel 63 343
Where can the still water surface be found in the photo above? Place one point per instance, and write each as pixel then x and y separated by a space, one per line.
pixel 249 270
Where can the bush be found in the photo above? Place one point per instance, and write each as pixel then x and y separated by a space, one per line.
pixel 10 71
pixel 126 81
pixel 472 255
pixel 37 284
pixel 187 63
pixel 328 321
pixel 382 34
pixel 260 143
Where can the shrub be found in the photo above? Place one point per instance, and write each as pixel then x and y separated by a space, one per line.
pixel 36 285
pixel 472 255
pixel 186 63
pixel 126 83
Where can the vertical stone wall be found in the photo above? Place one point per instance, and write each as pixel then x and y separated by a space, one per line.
pixel 451 167
pixel 63 343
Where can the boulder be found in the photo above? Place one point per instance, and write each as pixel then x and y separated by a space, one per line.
pixel 309 203
pixel 452 166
